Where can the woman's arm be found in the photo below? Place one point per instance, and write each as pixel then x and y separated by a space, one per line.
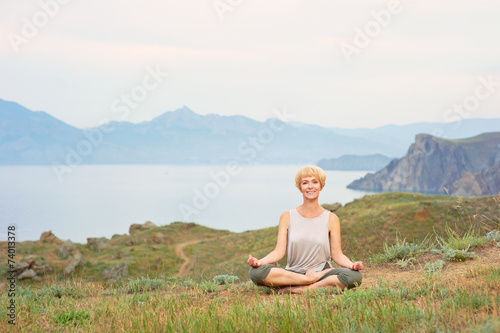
pixel 279 251
pixel 336 248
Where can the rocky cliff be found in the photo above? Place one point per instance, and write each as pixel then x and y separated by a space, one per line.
pixel 466 167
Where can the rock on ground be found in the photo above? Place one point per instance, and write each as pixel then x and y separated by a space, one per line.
pixel 27 274
pixel 30 268
pixel 49 237
pixel 66 250
pixel 115 272
pixel 97 244
pixel 139 227
pixel 158 238
pixel 77 261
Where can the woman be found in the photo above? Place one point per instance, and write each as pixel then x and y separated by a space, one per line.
pixel 311 235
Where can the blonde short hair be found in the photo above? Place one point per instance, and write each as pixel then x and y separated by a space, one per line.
pixel 310 171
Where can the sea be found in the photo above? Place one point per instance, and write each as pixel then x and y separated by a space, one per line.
pixel 103 200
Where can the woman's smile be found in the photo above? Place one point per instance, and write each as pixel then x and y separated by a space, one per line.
pixel 311 186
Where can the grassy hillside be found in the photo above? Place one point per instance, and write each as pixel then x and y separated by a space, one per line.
pixel 366 223
pixel 188 278
pixel 458 297
pixel 140 251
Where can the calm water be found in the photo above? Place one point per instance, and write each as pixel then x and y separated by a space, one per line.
pixel 102 200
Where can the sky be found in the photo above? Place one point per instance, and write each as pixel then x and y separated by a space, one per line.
pixel 342 64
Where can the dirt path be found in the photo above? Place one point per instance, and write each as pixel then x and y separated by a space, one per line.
pixel 179 252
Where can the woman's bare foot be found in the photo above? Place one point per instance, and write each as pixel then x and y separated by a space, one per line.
pixel 315 276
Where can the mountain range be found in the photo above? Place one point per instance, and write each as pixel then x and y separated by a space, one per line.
pixel 355 162
pixel 185 137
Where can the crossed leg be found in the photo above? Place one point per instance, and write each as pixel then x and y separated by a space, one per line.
pixel 278 277
pixel 330 281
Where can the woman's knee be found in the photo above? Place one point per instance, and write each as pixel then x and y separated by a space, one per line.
pixel 259 274
pixel 350 278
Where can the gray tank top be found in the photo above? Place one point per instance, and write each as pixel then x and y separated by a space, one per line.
pixel 308 242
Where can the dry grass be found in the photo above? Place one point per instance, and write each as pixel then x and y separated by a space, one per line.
pixel 460 296
pixel 463 296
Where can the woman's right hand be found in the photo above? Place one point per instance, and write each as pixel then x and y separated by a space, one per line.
pixel 254 262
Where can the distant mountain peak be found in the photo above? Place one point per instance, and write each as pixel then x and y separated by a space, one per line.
pixel 182 136
pixel 184 109
pixel 181 114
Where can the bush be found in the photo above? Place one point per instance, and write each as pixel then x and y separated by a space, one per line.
pixel 143 284
pixel 225 279
pixel 173 279
pixel 432 268
pixel 25 292
pixel 72 317
pixel 493 235
pixel 60 291
pixel 189 283
pixel 402 250
pixel 469 240
pixel 456 247
pixel 457 255
pixel 403 263
pixel 208 286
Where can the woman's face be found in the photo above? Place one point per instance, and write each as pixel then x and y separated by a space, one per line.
pixel 310 187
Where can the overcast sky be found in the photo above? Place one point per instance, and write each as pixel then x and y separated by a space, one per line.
pixel 334 63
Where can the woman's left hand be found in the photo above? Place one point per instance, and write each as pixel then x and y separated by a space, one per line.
pixel 357 266
pixel 253 262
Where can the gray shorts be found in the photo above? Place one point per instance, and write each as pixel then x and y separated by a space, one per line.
pixel 349 278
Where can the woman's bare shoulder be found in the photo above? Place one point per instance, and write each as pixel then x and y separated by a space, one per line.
pixel 334 219
pixel 333 216
pixel 285 218
pixel 285 214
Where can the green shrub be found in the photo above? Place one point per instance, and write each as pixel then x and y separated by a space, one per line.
pixel 404 263
pixel 59 291
pixel 493 235
pixel 143 284
pixel 456 247
pixel 468 240
pixel 189 283
pixel 173 279
pixel 490 325
pixel 225 279
pixel 72 317
pixel 141 298
pixel 432 268
pixel 208 286
pixel 402 250
pixel 457 255
pixel 25 292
